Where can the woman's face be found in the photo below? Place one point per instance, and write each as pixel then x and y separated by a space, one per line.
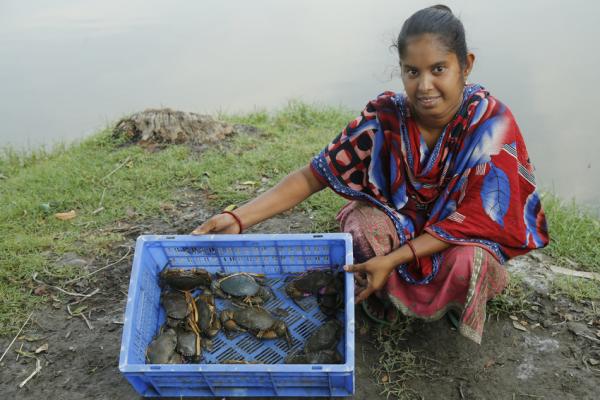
pixel 433 79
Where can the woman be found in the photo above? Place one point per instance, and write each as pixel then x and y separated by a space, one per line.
pixel 440 185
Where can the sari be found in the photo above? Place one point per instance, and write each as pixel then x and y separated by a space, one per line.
pixel 475 187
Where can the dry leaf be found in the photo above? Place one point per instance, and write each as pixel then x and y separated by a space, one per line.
pixel 519 326
pixel 248 183
pixel 489 363
pixel 598 333
pixel 593 361
pixel 385 378
pixel 66 215
pixel 40 291
pixel 513 317
pixel 42 348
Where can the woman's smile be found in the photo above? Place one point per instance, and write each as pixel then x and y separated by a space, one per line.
pixel 429 101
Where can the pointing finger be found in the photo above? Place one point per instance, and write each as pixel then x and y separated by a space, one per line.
pixel 354 268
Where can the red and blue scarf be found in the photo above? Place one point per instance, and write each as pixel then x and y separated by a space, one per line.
pixel 475 187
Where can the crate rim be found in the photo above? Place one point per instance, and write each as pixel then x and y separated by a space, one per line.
pixel 348 366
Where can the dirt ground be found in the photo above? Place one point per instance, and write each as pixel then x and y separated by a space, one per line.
pixel 555 360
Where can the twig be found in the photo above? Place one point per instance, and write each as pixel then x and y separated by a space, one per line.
pixel 102 199
pixel 85 298
pixel 18 352
pixel 118 168
pixel 16 336
pixel 34 277
pixel 79 314
pixel 99 269
pixel 97 210
pixel 530 395
pixel 38 368
pixel 462 395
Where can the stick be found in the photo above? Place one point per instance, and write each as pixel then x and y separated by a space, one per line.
pixel 102 199
pixel 578 274
pixel 38 368
pixel 19 354
pixel 84 298
pixel 16 336
pixel 34 277
pixel 79 314
pixel 100 269
pixel 118 168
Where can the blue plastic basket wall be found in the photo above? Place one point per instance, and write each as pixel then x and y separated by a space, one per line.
pixel 273 255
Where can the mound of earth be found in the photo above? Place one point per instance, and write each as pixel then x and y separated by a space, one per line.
pixel 163 126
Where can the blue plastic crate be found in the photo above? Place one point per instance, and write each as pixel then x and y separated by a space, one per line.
pixel 276 256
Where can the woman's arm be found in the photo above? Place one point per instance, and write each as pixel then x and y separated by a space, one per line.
pixel 378 269
pixel 292 190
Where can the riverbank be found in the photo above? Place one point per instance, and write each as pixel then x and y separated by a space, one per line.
pixel 107 192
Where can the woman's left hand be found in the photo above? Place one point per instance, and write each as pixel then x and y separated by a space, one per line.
pixel 377 269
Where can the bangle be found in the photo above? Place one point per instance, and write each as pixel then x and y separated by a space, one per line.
pixel 412 248
pixel 237 219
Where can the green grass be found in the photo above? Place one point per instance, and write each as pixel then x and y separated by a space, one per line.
pixel 514 300
pixel 35 185
pixel 574 234
pixel 576 289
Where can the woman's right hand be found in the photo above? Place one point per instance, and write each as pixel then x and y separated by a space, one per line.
pixel 220 223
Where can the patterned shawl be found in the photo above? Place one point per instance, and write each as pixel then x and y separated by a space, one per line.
pixel 475 187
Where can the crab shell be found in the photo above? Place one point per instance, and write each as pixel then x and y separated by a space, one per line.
pixel 176 307
pixel 186 344
pixel 208 318
pixel 310 283
pixel 185 278
pixel 325 338
pixel 241 285
pixel 162 349
pixel 257 321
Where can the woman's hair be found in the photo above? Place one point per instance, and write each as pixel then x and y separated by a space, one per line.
pixel 437 20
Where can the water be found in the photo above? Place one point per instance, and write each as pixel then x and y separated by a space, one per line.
pixel 69 68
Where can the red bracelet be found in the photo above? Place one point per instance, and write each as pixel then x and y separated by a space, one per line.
pixel 412 248
pixel 237 219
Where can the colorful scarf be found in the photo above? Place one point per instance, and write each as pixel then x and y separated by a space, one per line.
pixel 475 187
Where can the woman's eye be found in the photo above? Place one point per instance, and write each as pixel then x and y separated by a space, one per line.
pixel 411 72
pixel 439 69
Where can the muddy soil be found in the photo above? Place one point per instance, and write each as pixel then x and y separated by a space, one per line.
pixel 555 360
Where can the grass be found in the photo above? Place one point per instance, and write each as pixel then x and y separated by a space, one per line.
pixel 576 289
pixel 102 171
pixel 396 366
pixel 574 234
pixel 513 300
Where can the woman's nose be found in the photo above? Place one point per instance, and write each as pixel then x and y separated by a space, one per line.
pixel 425 83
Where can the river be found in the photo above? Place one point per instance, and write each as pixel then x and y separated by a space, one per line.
pixel 69 68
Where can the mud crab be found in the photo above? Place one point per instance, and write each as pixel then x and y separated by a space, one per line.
pixel 243 287
pixel 331 298
pixel 320 347
pixel 189 343
pixel 325 338
pixel 176 306
pixel 186 278
pixel 208 318
pixel 162 349
pixel 310 283
pixel 257 321
pixel 326 284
